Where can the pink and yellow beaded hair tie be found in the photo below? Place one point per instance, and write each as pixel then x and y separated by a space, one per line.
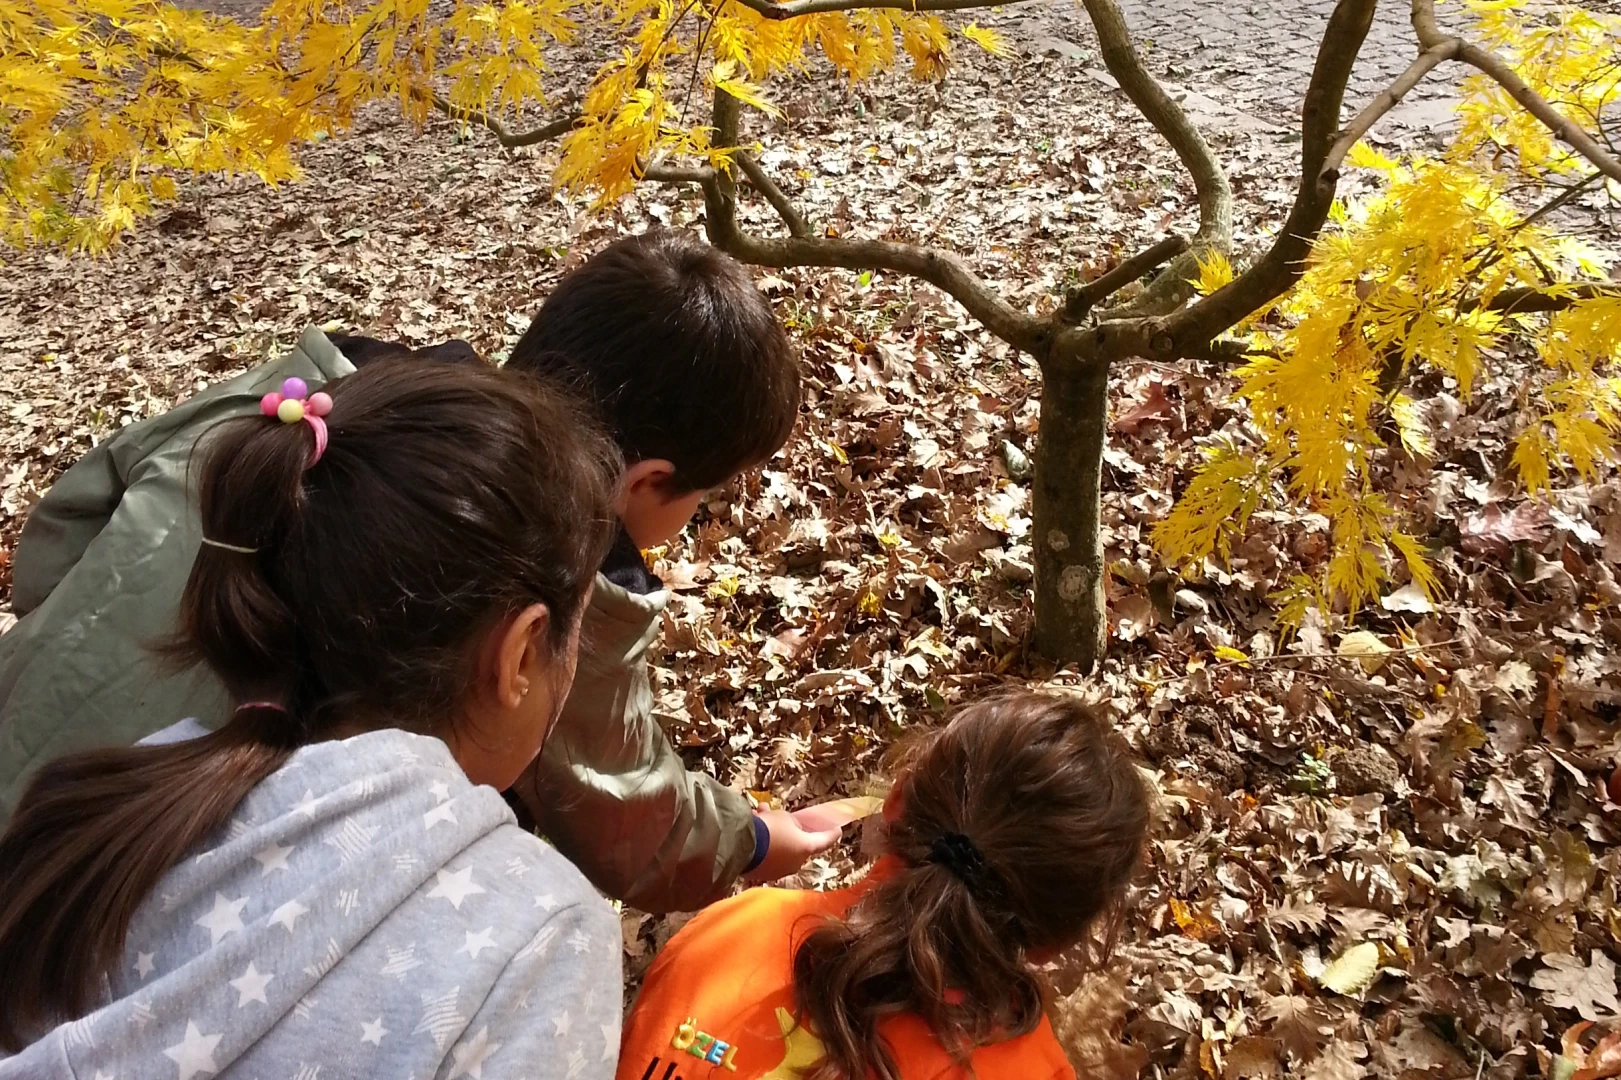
pixel 295 403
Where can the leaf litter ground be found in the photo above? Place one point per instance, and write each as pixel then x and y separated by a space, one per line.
pixel 1386 846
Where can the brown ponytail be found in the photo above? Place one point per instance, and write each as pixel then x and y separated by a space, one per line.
pixel 1020 826
pixel 447 497
pixel 132 813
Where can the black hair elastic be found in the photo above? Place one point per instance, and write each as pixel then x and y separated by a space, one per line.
pixel 962 857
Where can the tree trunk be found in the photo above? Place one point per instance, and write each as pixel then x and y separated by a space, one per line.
pixel 1071 614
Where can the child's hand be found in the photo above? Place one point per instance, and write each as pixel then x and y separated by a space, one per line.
pixel 791 844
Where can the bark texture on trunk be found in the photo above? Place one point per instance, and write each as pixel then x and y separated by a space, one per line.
pixel 1071 613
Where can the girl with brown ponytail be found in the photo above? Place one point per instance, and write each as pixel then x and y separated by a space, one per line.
pixel 1010 835
pixel 390 586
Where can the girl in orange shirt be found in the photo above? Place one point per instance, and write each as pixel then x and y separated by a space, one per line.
pixel 1010 835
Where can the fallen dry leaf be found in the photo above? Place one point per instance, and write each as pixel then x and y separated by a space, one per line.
pixel 1493 529
pixel 1353 971
pixel 1590 989
pixel 1367 648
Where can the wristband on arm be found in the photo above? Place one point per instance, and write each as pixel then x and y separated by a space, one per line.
pixel 762 843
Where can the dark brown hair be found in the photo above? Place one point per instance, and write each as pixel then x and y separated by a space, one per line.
pixel 670 339
pixel 1020 826
pixel 449 496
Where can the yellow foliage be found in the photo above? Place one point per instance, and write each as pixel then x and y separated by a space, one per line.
pixel 104 102
pixel 1532 452
pixel 723 78
pixel 1412 553
pixel 1363 156
pixel 989 40
pixel 1217 505
pixel 1214 272
pixel 1566 55
pixel 1406 279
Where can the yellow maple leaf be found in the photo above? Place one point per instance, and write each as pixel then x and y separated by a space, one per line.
pixel 723 78
pixel 1215 271
pixel 989 40
pixel 1364 156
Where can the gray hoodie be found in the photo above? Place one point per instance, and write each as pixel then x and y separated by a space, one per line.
pixel 366 912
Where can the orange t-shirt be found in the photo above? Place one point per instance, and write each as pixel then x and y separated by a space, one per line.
pixel 718 1004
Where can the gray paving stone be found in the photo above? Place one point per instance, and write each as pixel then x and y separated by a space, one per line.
pixel 1257 57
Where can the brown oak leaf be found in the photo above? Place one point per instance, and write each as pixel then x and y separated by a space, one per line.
pixel 1301 1024
pixel 1571 984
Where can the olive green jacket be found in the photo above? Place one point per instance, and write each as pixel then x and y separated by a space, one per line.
pixel 97 577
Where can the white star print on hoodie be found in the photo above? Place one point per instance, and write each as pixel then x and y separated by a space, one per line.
pixel 366 912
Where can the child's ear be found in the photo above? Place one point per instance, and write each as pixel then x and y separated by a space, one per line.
pixel 650 476
pixel 512 655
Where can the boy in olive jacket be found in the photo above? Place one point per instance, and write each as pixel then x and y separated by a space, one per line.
pixel 694 377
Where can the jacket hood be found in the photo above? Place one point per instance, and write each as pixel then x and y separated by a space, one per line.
pixel 239 937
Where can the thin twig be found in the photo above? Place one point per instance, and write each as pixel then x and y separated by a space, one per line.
pixel 1491 254
pixel 697 55
pixel 797 226
pixel 1558 201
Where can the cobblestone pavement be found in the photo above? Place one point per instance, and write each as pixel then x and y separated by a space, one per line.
pixel 1254 58
pixel 1260 54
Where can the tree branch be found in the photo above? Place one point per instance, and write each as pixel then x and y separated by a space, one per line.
pixel 1081 300
pixel 943 270
pixel 1555 298
pixel 780 202
pixel 678 174
pixel 506 138
pixel 1170 288
pixel 795 8
pixel 1571 193
pixel 1284 263
pixel 1228 351
pixel 704 175
pixel 1489 63
pixel 1386 100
